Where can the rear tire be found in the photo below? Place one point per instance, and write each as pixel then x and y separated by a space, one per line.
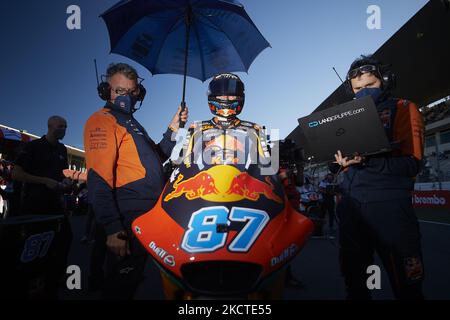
pixel 3 208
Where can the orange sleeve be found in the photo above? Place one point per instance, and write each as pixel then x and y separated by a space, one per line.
pixel 409 130
pixel 101 141
pixel 101 145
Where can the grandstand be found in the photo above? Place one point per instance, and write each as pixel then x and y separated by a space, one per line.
pixel 11 140
pixel 437 112
pixel 437 142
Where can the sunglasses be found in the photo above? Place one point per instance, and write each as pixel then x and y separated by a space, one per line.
pixel 121 91
pixel 361 70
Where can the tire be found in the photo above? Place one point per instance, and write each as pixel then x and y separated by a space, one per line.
pixel 4 208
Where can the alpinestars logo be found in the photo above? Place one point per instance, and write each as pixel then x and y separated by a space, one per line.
pixel 346 114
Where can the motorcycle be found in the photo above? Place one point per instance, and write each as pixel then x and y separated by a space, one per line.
pixel 5 188
pixel 222 232
pixel 29 245
pixel 3 203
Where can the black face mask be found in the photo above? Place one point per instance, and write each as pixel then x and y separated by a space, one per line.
pixel 126 103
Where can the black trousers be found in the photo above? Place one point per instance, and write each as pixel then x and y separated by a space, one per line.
pixel 329 209
pixel 97 259
pixel 89 226
pixel 391 229
pixel 122 276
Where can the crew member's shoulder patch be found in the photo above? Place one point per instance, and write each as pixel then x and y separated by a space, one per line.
pixel 104 113
pixel 102 116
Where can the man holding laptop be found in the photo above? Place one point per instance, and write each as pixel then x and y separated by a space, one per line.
pixel 384 137
pixel 376 211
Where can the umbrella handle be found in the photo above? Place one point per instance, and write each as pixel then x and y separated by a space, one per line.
pixel 186 55
pixel 183 107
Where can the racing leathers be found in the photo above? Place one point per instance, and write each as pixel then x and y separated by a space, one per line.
pixel 229 142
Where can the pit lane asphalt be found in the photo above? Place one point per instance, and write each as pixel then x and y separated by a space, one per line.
pixel 316 266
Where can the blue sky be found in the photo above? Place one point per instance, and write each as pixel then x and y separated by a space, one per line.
pixel 47 69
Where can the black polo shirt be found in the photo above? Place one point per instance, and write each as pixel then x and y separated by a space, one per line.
pixel 40 158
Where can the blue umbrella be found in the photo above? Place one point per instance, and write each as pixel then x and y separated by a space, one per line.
pixel 196 38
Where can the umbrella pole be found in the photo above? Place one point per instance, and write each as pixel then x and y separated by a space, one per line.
pixel 186 57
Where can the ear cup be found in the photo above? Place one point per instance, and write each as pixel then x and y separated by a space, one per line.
pixel 348 87
pixel 389 80
pixel 142 92
pixel 393 81
pixel 387 77
pixel 104 91
pixel 385 81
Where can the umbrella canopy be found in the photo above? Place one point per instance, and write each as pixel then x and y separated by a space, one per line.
pixel 217 36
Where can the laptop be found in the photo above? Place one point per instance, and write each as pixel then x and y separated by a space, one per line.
pixel 351 127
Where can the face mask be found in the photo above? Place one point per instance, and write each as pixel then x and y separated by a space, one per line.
pixel 60 134
pixel 375 93
pixel 126 103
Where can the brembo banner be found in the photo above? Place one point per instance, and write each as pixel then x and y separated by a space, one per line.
pixel 431 199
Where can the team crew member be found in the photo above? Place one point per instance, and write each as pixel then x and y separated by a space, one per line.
pixel 40 167
pixel 376 212
pixel 125 176
pixel 288 179
pixel 327 189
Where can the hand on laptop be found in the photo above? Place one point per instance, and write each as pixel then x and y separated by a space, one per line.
pixel 345 162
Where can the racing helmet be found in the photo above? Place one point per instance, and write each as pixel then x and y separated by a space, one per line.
pixel 226 84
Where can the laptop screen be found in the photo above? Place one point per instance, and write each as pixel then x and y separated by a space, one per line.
pixel 352 127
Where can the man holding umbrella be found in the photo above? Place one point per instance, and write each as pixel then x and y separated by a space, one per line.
pixel 125 175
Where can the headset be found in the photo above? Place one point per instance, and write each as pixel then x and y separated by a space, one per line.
pixel 104 88
pixel 384 73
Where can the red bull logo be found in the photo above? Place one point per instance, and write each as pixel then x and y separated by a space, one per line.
pixel 194 188
pixel 251 188
pixel 223 184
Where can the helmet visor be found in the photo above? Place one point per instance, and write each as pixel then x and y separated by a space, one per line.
pixel 226 87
